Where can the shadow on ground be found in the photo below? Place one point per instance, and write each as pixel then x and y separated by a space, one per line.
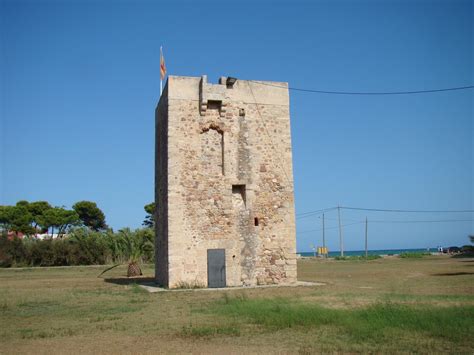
pixel 464 256
pixel 453 274
pixel 147 281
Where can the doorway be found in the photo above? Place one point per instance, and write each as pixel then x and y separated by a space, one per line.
pixel 216 268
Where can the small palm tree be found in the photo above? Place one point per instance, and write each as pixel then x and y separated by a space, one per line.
pixel 131 246
pixel 134 246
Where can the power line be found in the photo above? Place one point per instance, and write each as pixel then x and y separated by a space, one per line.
pixel 467 87
pixel 405 211
pixel 427 221
pixel 388 221
pixel 313 213
pixel 346 219
pixel 323 210
pixel 318 230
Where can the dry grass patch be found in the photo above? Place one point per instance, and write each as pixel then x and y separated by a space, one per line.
pixel 363 305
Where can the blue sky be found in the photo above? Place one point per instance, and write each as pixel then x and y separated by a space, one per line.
pixel 80 81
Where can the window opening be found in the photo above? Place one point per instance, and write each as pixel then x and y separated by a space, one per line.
pixel 238 196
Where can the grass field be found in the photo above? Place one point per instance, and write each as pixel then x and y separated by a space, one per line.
pixel 386 305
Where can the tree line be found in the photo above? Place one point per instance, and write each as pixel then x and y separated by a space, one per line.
pixel 32 218
pixel 82 236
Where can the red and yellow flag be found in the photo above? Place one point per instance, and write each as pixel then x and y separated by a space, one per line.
pixel 162 65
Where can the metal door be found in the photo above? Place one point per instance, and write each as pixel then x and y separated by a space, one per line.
pixel 216 268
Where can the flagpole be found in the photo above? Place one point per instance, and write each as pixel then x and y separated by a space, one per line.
pixel 161 80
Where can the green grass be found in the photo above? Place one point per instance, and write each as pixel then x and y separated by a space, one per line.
pixel 426 299
pixel 357 257
pixel 374 323
pixel 388 305
pixel 413 255
pixel 137 289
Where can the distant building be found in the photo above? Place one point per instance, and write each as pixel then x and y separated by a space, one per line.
pixel 41 236
pixel 224 184
pixel 48 236
pixel 12 234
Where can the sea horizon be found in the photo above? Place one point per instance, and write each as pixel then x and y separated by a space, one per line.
pixel 372 252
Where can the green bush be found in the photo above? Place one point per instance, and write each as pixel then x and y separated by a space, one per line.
pixel 12 251
pixel 5 257
pixel 88 248
pixel 40 253
pixel 81 247
pixel 413 255
pixel 56 252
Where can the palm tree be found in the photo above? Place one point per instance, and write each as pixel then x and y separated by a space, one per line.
pixel 131 246
pixel 134 246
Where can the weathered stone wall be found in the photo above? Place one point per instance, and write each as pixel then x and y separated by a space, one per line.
pixel 161 189
pixel 224 181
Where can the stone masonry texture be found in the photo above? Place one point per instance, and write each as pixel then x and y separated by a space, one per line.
pixel 223 180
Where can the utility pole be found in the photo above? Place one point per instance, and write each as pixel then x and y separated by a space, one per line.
pixel 324 240
pixel 366 225
pixel 341 241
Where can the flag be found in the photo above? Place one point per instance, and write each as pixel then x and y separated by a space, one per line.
pixel 162 65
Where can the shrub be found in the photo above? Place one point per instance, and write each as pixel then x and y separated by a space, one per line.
pixel 57 252
pixel 413 255
pixel 81 247
pixel 89 248
pixel 12 251
pixel 5 258
pixel 40 253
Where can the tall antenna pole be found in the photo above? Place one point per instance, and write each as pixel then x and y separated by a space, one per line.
pixel 366 226
pixel 341 242
pixel 324 240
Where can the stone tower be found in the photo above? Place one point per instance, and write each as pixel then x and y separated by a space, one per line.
pixel 224 184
